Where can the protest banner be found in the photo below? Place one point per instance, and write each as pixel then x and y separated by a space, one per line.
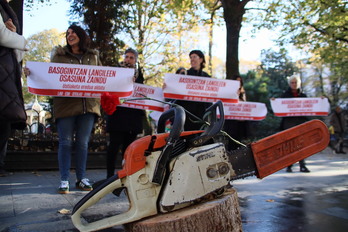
pixel 141 91
pixel 73 80
pixel 192 88
pixel 284 107
pixel 252 111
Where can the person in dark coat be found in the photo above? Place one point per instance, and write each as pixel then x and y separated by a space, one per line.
pixel 125 123
pixel 287 122
pixel 197 61
pixel 12 47
pixel 338 122
pixel 237 129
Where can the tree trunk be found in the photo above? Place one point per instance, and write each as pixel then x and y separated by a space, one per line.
pixel 233 15
pixel 219 215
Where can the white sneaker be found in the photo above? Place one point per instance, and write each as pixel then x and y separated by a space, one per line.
pixel 64 187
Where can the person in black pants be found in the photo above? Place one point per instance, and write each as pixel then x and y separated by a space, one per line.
pixel 338 122
pixel 287 122
pixel 125 123
pixel 237 129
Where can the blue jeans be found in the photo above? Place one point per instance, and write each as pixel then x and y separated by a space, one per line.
pixel 83 125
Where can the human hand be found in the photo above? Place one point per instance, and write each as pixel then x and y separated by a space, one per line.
pixel 26 46
pixel 9 25
pixel 26 71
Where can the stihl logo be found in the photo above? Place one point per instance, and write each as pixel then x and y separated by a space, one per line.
pixel 205 156
pixel 281 150
pixel 290 146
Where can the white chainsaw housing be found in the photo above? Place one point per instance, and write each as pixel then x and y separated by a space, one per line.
pixel 196 173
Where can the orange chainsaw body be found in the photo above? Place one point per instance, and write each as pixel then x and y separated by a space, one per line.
pixel 134 156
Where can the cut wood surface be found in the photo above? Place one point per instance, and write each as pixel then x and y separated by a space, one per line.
pixel 216 215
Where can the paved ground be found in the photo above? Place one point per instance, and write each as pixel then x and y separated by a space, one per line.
pixel 315 201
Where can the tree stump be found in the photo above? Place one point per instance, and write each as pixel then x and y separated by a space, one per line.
pixel 218 215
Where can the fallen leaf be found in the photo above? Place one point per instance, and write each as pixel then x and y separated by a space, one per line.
pixel 64 211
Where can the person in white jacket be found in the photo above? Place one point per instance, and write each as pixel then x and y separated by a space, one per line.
pixel 12 47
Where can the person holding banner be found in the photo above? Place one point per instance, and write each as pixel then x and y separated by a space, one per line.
pixel 197 61
pixel 293 91
pixel 130 61
pixel 125 123
pixel 12 47
pixel 237 129
pixel 75 116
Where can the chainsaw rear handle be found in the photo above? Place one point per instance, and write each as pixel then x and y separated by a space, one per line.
pixel 178 126
pixel 139 206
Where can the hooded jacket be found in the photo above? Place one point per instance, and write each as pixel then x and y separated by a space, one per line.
pixel 69 106
pixel 338 121
pixel 12 103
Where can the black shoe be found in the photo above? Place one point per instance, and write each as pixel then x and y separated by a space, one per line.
pixel 84 185
pixel 341 152
pixel 288 169
pixel 304 169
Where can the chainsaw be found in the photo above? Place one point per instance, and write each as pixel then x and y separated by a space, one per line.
pixel 169 171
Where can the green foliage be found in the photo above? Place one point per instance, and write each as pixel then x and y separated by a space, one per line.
pixel 103 20
pixel 318 27
pixel 256 87
pixel 163 32
pixel 266 82
pixel 269 80
pixel 261 129
pixel 160 31
pixel 277 66
pixel 40 46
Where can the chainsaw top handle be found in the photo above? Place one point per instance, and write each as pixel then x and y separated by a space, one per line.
pixel 215 124
pixel 175 114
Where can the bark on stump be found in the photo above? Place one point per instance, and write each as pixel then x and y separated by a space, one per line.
pixel 218 215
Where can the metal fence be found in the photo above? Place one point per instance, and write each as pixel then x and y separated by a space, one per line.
pixel 39 138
